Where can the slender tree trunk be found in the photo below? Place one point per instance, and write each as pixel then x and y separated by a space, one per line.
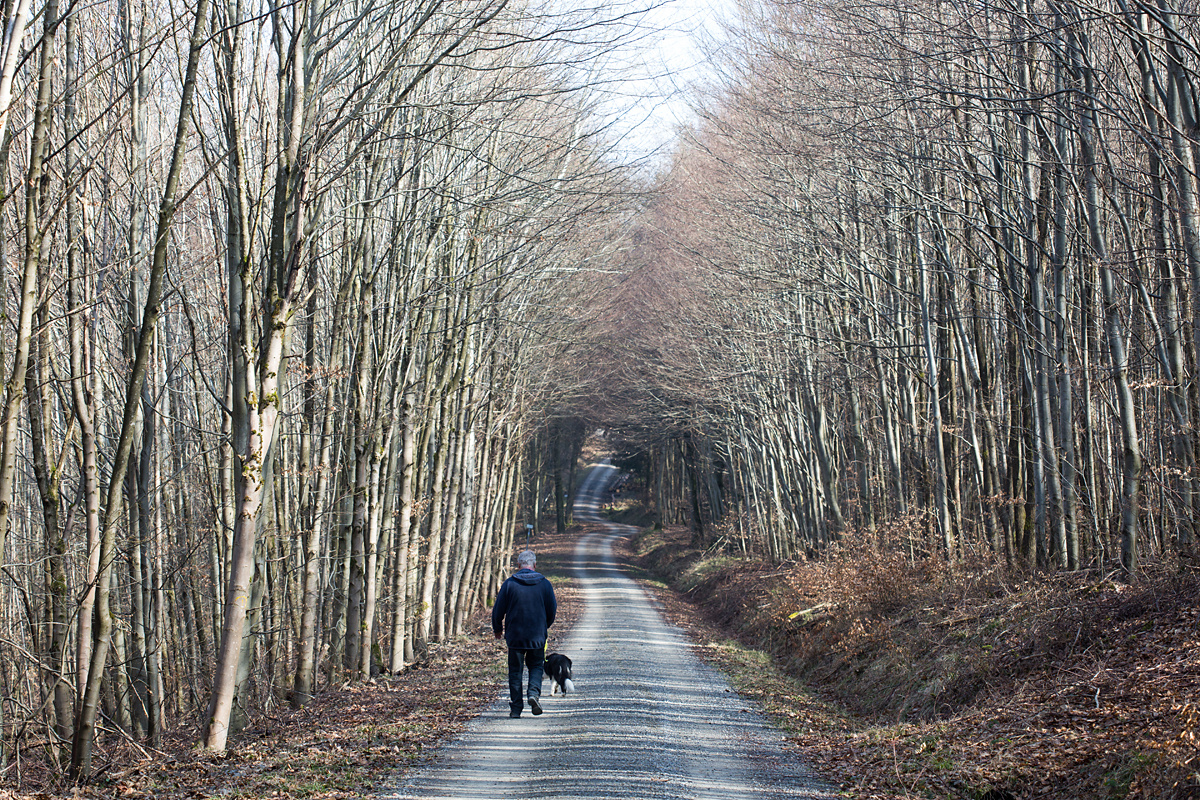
pixel 15 387
pixel 81 755
pixel 941 497
pixel 78 298
pixel 401 643
pixel 306 666
pixel 1090 140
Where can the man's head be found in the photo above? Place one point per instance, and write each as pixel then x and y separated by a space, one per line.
pixel 526 560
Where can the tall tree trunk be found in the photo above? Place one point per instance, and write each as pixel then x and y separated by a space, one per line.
pixel 401 643
pixel 78 298
pixel 81 753
pixel 306 665
pixel 941 495
pixel 1090 140
pixel 15 387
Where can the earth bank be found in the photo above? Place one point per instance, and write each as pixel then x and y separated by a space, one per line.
pixel 914 680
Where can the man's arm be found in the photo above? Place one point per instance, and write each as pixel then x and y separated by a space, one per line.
pixel 498 610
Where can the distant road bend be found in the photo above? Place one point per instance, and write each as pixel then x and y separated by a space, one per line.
pixel 648 719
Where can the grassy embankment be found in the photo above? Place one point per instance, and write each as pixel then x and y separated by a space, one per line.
pixel 916 680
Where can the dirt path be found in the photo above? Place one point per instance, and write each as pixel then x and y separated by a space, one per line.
pixel 648 719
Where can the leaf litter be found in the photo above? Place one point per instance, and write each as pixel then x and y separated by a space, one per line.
pixel 348 742
pixel 932 684
pixel 1072 686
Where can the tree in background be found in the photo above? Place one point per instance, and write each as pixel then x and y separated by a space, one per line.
pixel 922 273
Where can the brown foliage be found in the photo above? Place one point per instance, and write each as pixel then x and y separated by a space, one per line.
pixel 956 683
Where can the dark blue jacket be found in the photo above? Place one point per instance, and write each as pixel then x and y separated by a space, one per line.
pixel 524 609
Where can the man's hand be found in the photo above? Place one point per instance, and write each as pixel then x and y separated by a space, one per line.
pixel 498 634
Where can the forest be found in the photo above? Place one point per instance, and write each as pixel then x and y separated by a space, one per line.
pixel 932 272
pixel 285 287
pixel 309 308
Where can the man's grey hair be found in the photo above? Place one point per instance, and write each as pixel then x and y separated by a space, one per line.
pixel 526 559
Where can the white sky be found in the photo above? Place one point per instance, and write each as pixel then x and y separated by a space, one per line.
pixel 662 69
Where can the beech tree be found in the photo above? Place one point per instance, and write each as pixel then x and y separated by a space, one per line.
pixel 946 314
pixel 278 435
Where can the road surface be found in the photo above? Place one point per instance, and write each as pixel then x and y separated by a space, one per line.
pixel 648 720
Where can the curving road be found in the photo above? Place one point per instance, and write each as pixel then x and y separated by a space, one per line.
pixel 648 719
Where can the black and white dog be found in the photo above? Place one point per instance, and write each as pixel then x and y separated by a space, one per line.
pixel 558 669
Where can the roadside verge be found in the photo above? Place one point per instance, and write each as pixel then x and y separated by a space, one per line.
pixel 903 681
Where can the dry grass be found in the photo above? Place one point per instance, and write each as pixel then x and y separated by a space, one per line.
pixel 939 683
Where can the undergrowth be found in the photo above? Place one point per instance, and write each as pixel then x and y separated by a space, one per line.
pixel 957 682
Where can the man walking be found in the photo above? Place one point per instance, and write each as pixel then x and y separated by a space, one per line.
pixel 524 609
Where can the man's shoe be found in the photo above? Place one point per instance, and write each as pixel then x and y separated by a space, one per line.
pixel 535 705
pixel 515 714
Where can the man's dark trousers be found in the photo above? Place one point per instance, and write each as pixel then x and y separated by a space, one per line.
pixel 535 660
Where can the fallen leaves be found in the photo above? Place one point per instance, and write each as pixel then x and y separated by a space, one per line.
pixel 1061 687
pixel 348 742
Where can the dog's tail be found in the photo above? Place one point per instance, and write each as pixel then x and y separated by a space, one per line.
pixel 568 686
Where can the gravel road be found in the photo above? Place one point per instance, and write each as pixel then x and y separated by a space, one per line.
pixel 648 720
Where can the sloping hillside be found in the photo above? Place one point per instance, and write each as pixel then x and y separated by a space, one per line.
pixel 931 683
